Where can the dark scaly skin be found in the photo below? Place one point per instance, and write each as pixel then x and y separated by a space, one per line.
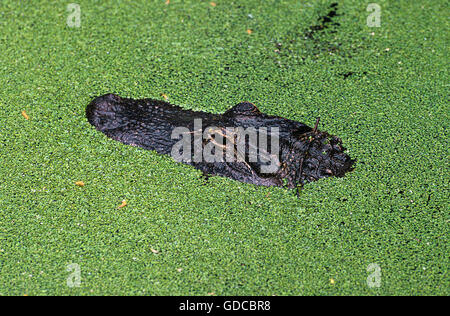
pixel 306 154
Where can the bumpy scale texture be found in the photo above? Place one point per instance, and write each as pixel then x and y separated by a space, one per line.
pixel 304 154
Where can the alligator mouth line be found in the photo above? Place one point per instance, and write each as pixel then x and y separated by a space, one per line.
pixel 242 144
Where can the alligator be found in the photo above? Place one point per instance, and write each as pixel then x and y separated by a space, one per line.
pixel 243 143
